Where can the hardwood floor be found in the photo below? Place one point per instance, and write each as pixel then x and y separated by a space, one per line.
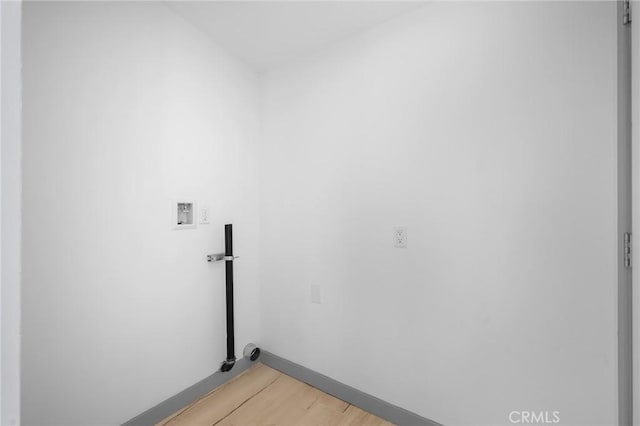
pixel 262 396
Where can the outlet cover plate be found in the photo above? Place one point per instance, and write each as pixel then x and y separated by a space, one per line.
pixel 400 236
pixel 204 215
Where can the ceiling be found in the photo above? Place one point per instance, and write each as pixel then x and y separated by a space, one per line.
pixel 265 34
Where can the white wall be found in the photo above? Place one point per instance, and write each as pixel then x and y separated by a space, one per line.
pixel 1 345
pixel 489 130
pixel 10 89
pixel 127 107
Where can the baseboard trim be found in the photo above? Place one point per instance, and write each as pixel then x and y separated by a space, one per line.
pixel 187 396
pixel 370 403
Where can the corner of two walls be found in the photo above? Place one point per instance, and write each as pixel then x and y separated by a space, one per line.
pixel 128 108
pixel 417 122
pixel 489 131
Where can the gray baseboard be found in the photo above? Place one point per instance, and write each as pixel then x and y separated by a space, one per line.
pixel 373 405
pixel 353 396
pixel 191 394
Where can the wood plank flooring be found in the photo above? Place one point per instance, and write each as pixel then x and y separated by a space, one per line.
pixel 262 396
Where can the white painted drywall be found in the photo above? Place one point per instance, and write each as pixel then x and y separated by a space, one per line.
pixel 489 130
pixel 127 107
pixel 10 135
pixel 266 34
pixel 1 345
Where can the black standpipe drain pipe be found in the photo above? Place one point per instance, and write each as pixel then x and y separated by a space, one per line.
pixel 228 254
pixel 251 351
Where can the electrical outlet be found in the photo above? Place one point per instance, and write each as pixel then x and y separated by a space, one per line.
pixel 400 236
pixel 204 215
pixel 316 294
